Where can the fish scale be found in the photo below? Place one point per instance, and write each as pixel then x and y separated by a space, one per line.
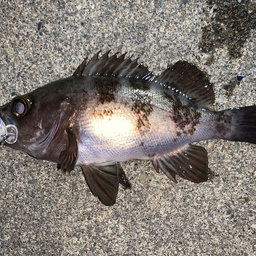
pixel 113 109
pixel 161 137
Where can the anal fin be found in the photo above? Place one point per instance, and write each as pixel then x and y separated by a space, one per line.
pixel 191 163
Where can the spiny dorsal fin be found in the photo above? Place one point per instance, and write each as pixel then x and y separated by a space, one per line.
pixel 188 79
pixel 182 77
pixel 113 66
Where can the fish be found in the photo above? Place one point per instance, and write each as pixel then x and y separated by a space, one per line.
pixel 114 109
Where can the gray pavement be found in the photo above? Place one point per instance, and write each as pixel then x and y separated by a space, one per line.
pixel 46 212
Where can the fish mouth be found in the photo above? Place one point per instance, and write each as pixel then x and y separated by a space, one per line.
pixel 8 133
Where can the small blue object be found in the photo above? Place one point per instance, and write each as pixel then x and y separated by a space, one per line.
pixel 240 78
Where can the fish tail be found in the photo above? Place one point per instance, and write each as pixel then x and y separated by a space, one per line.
pixel 243 127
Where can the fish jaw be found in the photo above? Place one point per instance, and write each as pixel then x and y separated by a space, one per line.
pixel 39 142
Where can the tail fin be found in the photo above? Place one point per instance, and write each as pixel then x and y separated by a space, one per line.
pixel 244 124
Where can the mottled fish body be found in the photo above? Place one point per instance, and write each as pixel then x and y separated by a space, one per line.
pixel 112 110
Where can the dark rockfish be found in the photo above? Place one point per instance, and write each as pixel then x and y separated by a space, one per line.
pixel 112 110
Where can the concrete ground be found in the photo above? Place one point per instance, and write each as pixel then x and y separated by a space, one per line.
pixel 46 212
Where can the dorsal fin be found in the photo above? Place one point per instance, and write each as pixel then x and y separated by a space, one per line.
pixel 182 77
pixel 189 80
pixel 113 66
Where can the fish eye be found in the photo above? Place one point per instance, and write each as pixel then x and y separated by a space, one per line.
pixel 20 106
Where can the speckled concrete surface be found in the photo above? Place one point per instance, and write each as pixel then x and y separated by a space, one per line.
pixel 45 212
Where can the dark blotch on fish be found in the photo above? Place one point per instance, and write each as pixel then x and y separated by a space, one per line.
pixel 142 110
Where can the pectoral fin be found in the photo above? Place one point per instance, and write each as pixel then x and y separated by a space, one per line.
pixel 67 157
pixel 103 181
pixel 190 163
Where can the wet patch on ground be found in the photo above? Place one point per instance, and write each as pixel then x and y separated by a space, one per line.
pixel 230 24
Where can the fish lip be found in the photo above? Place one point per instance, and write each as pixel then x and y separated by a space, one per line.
pixel 8 126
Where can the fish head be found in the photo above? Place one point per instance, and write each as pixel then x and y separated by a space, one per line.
pixel 36 123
